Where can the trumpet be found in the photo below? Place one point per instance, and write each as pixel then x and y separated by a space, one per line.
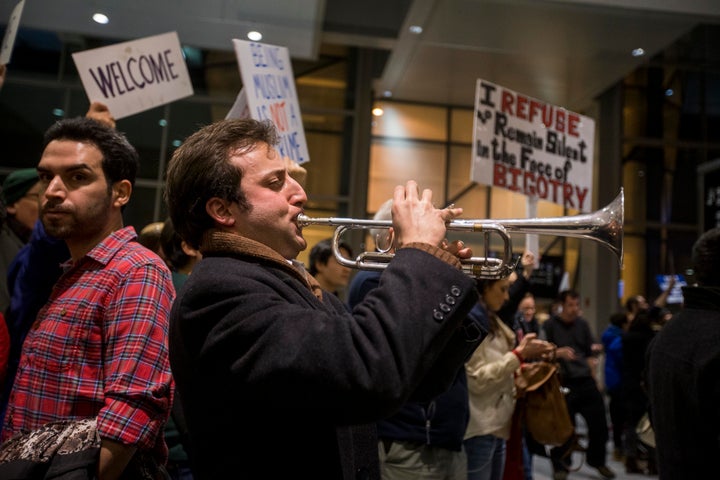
pixel 604 226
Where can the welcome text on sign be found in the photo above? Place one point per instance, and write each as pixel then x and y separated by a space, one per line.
pixel 118 78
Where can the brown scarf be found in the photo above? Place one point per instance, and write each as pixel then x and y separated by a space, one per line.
pixel 216 241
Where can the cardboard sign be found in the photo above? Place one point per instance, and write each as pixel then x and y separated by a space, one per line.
pixel 531 147
pixel 269 87
pixel 134 76
pixel 10 33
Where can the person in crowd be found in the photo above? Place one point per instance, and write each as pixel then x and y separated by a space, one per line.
pixel 111 305
pixel 149 237
pixel 526 315
pixel 31 276
pixel 526 321
pixel 576 344
pixel 4 335
pixel 178 254
pixel 20 191
pixel 611 339
pixel 682 373
pixel 634 305
pixel 519 287
pixel 634 344
pixel 180 258
pixel 249 327
pixel 424 438
pixel 329 273
pixel 491 387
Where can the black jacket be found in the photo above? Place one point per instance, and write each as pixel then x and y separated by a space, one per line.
pixel 684 387
pixel 277 384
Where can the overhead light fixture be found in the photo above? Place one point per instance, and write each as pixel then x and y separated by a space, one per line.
pixel 254 35
pixel 377 112
pixel 387 94
pixel 416 29
pixel 638 52
pixel 162 122
pixel 669 92
pixel 58 112
pixel 100 18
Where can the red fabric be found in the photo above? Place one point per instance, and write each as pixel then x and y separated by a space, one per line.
pixel 513 457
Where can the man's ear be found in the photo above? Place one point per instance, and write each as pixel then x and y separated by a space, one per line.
pixel 121 192
pixel 219 210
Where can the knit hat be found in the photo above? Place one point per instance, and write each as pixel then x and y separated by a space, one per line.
pixel 17 184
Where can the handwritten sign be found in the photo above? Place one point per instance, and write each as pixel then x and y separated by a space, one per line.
pixel 269 86
pixel 531 147
pixel 134 76
pixel 10 33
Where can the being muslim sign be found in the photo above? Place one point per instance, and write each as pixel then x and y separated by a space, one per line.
pixel 269 93
pixel 532 147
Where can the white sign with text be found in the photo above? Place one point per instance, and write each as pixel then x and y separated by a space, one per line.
pixel 135 76
pixel 11 33
pixel 269 88
pixel 531 147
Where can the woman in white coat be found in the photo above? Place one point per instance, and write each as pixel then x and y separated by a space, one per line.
pixel 491 387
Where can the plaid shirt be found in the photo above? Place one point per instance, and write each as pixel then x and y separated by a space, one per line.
pixel 100 348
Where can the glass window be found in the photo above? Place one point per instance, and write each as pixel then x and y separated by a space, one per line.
pixel 403 120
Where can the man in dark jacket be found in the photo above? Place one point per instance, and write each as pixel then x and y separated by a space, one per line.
pixel 276 377
pixel 423 439
pixel 684 373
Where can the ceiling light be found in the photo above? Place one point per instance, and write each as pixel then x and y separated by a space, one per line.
pixel 162 122
pixel 387 93
pixel 377 111
pixel 176 143
pixel 638 52
pixel 669 92
pixel 100 18
pixel 255 36
pixel 416 29
pixel 58 112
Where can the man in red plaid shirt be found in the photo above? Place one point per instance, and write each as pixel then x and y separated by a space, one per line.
pixel 99 346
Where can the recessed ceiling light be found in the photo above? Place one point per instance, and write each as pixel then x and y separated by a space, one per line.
pixel 162 122
pixel 387 93
pixel 638 52
pixel 100 18
pixel 669 92
pixel 416 29
pixel 58 112
pixel 377 111
pixel 255 36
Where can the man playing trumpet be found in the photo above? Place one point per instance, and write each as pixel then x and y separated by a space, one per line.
pixel 278 380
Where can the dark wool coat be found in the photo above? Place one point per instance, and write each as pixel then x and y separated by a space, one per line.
pixel 277 384
pixel 684 387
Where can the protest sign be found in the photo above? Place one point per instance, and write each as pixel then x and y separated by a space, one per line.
pixel 10 33
pixel 134 76
pixel 270 93
pixel 531 147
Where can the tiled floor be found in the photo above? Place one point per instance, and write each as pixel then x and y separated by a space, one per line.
pixel 542 470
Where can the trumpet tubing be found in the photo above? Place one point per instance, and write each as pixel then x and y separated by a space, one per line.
pixel 604 226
